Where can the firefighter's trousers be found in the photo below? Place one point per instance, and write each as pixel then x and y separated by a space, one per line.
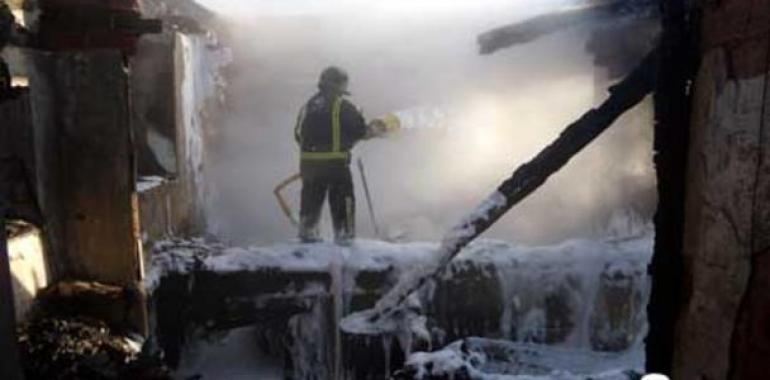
pixel 319 179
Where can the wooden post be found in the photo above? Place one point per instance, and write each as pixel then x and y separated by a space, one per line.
pixel 86 170
pixel 672 111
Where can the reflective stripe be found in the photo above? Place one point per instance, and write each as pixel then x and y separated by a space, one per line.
pixel 336 129
pixel 324 155
pixel 336 152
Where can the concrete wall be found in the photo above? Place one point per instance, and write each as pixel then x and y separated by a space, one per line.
pixel 723 329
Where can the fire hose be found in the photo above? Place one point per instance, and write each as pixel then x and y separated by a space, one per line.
pixel 286 208
pixel 282 202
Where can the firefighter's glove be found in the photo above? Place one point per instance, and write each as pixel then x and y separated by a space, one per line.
pixel 377 128
pixel 384 127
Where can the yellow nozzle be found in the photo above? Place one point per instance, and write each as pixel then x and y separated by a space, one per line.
pixel 392 123
pixel 386 126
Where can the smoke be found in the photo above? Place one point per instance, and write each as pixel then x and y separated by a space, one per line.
pixel 473 119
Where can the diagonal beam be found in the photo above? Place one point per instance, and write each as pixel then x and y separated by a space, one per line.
pixel 526 179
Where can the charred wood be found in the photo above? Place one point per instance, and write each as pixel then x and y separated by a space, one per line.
pixel 530 176
pixel 534 28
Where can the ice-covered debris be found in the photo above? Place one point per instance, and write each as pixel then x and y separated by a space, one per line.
pixel 581 294
pixel 458 236
pixel 447 363
pixel 410 260
pixel 405 320
pixel 464 229
pixel 178 256
pixel 184 256
pixel 365 323
pixel 234 355
pixel 488 359
pixel 147 183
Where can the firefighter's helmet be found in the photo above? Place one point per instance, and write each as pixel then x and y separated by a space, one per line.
pixel 334 79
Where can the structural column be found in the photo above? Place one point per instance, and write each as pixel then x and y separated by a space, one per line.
pixel 86 169
pixel 722 328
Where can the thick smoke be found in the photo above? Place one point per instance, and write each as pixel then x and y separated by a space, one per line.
pixel 472 120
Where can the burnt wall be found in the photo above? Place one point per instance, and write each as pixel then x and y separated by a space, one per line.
pixel 723 326
pixel 176 107
pixel 17 156
pixel 84 164
pixel 153 100
pixel 167 208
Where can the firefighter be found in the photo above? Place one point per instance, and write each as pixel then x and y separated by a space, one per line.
pixel 328 126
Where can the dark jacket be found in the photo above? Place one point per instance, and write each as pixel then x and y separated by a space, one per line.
pixel 315 126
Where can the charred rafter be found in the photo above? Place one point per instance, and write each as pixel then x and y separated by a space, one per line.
pixel 534 28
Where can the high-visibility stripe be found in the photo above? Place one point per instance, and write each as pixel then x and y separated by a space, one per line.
pixel 336 128
pixel 336 152
pixel 324 155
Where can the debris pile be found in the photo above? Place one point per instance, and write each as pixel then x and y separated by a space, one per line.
pixel 488 359
pixel 81 330
pixel 81 348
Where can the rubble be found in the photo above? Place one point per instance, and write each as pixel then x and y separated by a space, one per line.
pixel 81 330
pixel 489 359
pixel 295 295
pixel 81 348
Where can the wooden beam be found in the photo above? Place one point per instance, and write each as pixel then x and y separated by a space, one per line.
pixel 531 29
pixel 528 178
pixel 672 129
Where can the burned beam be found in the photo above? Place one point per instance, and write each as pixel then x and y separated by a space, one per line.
pixel 526 179
pixel 672 127
pixel 534 28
